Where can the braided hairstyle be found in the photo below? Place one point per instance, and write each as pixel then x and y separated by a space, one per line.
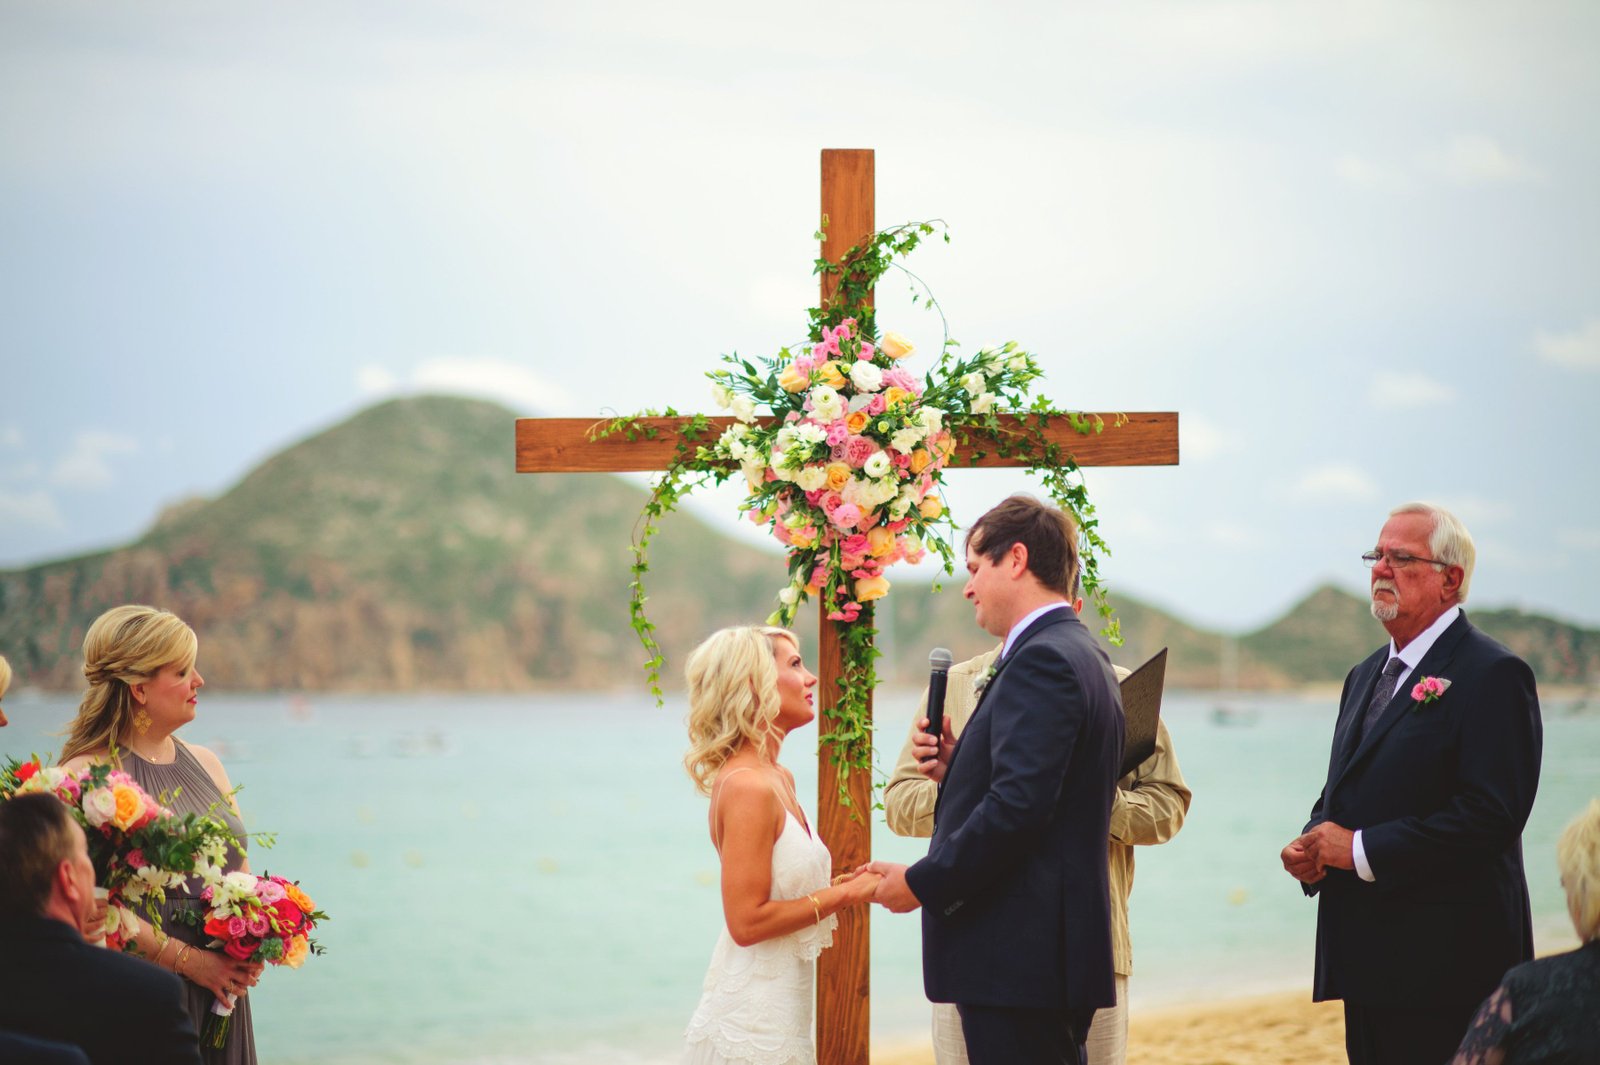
pixel 126 645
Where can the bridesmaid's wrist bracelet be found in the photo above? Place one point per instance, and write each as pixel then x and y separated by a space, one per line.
pixel 177 962
pixel 817 906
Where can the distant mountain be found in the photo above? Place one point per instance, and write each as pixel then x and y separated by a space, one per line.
pixel 399 551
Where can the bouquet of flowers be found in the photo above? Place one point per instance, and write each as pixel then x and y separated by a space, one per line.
pixel 257 919
pixel 846 472
pixel 139 848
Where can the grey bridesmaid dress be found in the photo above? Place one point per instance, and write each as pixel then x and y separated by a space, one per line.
pixel 185 786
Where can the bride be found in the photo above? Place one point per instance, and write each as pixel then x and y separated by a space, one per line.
pixel 748 689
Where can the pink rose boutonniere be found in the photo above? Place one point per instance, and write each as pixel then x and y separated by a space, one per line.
pixel 1428 689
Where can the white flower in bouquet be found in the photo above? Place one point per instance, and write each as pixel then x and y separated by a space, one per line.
pixel 811 478
pixel 974 384
pixel 983 403
pixel 827 404
pixel 866 377
pixel 877 465
pixel 722 396
pixel 905 440
pixel 744 408
pixel 99 806
pixel 810 433
pixel 931 419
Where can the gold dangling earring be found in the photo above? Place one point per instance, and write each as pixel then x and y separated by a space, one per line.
pixel 141 721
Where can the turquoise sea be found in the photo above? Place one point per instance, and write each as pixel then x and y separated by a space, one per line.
pixel 527 879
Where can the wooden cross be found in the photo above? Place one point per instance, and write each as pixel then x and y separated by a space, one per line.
pixel 562 445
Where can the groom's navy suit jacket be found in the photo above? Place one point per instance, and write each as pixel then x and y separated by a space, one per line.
pixel 1440 791
pixel 1015 903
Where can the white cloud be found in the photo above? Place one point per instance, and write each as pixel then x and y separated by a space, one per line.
pixel 86 465
pixel 1478 160
pixel 1334 482
pixel 1402 389
pixel 1577 350
pixel 1370 176
pixel 34 509
pixel 494 379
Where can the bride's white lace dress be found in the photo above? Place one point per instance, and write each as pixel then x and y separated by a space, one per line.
pixel 756 1003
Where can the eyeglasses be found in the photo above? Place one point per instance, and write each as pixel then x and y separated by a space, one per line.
pixel 1398 559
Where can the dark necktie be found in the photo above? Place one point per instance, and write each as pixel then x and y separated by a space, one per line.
pixel 1382 694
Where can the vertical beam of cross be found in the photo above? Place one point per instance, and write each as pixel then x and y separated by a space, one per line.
pixel 843 981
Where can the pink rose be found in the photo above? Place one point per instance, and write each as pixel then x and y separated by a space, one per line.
pixel 876 404
pixel 846 515
pixel 257 925
pixel 866 351
pixel 857 450
pixel 897 378
pixel 136 859
pixel 856 545
pixel 236 927
pixel 837 434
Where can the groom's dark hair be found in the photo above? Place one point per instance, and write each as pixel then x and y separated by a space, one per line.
pixel 1047 532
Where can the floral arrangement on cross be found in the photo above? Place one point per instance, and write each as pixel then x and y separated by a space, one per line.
pixel 847 464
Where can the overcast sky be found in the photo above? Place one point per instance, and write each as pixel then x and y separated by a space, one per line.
pixel 1356 246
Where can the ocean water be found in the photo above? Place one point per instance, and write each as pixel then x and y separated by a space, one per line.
pixel 528 880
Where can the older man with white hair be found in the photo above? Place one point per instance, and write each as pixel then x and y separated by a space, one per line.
pixel 1414 847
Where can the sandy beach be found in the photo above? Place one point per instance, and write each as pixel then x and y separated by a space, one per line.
pixel 1280 1029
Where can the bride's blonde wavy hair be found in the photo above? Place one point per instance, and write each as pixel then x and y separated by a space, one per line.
pixel 126 645
pixel 733 696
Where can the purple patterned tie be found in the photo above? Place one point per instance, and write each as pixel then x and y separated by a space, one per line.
pixel 1382 694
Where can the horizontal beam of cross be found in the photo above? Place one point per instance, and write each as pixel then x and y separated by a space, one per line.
pixel 563 445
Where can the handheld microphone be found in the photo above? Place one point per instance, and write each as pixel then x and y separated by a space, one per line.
pixel 939 673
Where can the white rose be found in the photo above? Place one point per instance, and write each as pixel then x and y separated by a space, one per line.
pixel 811 478
pixel 788 596
pixel 981 404
pixel 866 377
pixel 811 433
pixel 899 507
pixel 880 492
pixel 1018 363
pixel 931 418
pixel 974 384
pixel 722 396
pixel 744 408
pixel 99 806
pixel 906 440
pixel 877 464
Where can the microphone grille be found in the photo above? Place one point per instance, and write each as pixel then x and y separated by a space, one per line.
pixel 941 659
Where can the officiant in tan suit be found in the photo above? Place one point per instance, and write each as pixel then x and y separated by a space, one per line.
pixel 1148 808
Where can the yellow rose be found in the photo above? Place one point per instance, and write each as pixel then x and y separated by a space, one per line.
pixel 946 443
pixel 930 507
pixel 803 538
pixel 919 460
pixel 880 541
pixel 831 374
pixel 129 806
pixel 896 346
pixel 857 421
pixel 294 955
pixel 870 588
pixel 838 476
pixel 792 380
pixel 894 394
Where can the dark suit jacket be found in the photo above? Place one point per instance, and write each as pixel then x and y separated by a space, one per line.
pixel 1015 903
pixel 26 1050
pixel 1441 791
pixel 116 1007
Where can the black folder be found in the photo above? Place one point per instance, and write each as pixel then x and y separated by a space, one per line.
pixel 1141 704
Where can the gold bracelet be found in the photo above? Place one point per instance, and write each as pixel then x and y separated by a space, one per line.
pixel 177 962
pixel 162 949
pixel 817 906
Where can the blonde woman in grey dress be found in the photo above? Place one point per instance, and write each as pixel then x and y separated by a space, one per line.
pixel 143 687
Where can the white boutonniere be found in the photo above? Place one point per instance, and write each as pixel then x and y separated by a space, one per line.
pixel 983 680
pixel 1427 690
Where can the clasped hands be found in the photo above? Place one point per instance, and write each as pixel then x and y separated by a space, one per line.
pixel 933 758
pixel 1326 846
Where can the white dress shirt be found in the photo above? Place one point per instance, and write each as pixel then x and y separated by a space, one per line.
pixel 1020 627
pixel 1411 656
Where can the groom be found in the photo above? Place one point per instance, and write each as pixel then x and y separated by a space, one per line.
pixel 1016 922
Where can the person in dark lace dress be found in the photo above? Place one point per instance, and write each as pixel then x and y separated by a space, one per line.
pixel 143 687
pixel 1547 1011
